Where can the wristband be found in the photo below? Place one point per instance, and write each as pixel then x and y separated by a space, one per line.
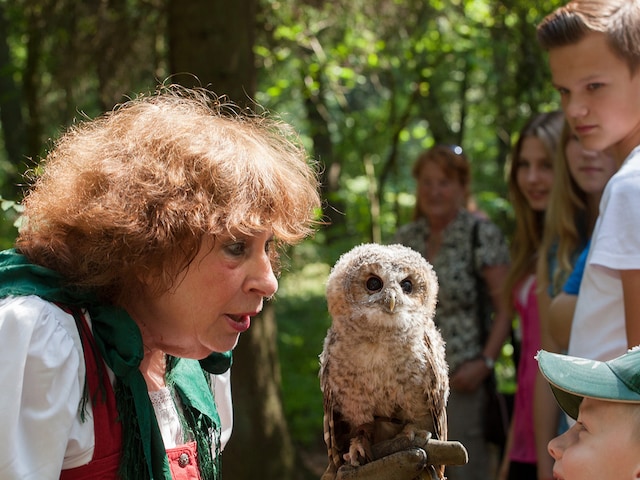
pixel 488 361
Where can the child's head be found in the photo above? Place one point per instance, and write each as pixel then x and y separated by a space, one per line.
pixel 594 54
pixel 532 161
pixel 580 176
pixel 530 176
pixel 604 399
pixel 619 20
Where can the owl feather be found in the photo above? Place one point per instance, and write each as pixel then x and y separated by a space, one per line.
pixel 383 371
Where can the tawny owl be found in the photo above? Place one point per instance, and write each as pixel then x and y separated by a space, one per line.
pixel 383 371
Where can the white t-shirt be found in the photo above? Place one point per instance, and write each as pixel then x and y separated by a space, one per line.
pixel 598 330
pixel 42 380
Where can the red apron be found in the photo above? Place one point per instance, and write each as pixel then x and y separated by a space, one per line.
pixel 183 460
pixel 107 428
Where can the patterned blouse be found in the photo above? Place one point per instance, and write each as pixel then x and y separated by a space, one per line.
pixel 457 311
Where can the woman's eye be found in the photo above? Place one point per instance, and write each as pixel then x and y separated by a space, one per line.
pixel 235 249
pixel 271 246
pixel 374 284
pixel 406 285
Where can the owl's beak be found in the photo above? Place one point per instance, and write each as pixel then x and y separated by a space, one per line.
pixel 392 302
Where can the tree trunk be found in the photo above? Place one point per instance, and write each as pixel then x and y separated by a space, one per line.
pixel 213 40
pixel 260 446
pixel 11 118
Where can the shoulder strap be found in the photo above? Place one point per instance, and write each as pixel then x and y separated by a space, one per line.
pixel 480 310
pixel 475 242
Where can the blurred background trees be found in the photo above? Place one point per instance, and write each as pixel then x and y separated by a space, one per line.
pixel 367 83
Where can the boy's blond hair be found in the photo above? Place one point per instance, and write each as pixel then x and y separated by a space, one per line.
pixel 619 20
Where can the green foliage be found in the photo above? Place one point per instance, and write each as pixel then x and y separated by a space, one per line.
pixel 367 83
pixel 391 78
pixel 302 322
pixel 9 222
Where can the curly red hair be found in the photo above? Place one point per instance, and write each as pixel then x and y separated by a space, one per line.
pixel 132 194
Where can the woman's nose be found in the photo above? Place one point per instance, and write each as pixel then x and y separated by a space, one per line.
pixel 263 279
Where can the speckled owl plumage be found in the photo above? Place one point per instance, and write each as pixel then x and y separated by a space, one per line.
pixel 382 369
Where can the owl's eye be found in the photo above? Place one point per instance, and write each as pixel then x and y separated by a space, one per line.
pixel 374 284
pixel 407 285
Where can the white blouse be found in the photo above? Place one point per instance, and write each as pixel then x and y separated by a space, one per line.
pixel 42 378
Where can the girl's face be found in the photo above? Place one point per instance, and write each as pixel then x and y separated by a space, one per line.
pixel 439 196
pixel 603 444
pixel 534 173
pixel 212 301
pixel 590 170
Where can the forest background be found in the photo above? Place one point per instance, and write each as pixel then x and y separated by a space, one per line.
pixel 367 83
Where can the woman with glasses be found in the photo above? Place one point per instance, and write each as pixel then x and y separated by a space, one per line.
pixel 469 255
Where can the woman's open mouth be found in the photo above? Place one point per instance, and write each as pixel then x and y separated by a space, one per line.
pixel 240 323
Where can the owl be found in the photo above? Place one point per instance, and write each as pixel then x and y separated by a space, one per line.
pixel 383 371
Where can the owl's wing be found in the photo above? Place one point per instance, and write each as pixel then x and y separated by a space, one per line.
pixel 438 388
pixel 333 452
pixel 336 430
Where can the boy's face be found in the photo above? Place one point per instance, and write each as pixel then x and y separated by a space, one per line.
pixel 602 444
pixel 600 97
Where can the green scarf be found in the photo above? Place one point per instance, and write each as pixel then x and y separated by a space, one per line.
pixel 120 343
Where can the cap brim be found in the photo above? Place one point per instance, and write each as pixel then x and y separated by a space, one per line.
pixel 572 378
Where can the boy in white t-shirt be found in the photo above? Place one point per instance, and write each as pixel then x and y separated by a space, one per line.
pixel 594 55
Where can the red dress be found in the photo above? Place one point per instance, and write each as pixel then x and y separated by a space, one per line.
pixel 183 460
pixel 107 428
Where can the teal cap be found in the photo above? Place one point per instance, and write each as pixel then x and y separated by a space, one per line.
pixel 573 378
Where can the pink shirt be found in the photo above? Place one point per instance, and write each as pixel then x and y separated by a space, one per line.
pixel 523 448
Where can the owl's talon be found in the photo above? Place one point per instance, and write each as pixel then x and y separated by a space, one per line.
pixel 357 451
pixel 417 436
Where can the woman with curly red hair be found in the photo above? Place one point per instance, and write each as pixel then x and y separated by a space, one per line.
pixel 150 240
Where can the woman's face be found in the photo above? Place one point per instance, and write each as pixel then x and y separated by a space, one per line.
pixel 601 444
pixel 439 196
pixel 591 170
pixel 212 301
pixel 534 173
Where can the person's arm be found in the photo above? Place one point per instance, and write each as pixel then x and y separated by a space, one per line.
pixel 495 277
pixel 563 306
pixel 470 375
pixel 630 290
pixel 546 415
pixel 561 312
pixel 42 379
pixel 503 471
pixel 546 412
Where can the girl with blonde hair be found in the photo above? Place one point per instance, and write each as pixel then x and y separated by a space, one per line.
pixel 580 178
pixel 530 177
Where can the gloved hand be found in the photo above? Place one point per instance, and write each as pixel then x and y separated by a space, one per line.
pixel 404 459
